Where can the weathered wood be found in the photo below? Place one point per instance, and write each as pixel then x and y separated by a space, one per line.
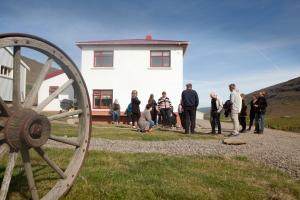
pixel 3 108
pixel 51 163
pixel 65 114
pixel 17 76
pixel 7 175
pixel 44 103
pixel 29 101
pixel 64 140
pixel 62 186
pixel 4 149
pixel 28 170
pixel 2 136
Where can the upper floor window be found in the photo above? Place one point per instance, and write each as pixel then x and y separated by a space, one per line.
pixel 52 89
pixel 160 58
pixel 103 58
pixel 5 71
pixel 102 99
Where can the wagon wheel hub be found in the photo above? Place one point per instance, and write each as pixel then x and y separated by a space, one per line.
pixel 26 128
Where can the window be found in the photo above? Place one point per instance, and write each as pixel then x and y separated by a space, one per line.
pixel 103 58
pixel 102 99
pixel 5 71
pixel 160 58
pixel 53 89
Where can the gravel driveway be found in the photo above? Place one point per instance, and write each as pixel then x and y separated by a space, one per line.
pixel 275 148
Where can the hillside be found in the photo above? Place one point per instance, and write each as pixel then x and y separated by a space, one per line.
pixel 35 68
pixel 283 98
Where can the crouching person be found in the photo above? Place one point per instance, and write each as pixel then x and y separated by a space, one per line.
pixel 145 122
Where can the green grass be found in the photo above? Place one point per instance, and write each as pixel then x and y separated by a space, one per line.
pixel 284 123
pixel 122 133
pixel 155 176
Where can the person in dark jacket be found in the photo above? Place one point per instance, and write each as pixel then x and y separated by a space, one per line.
pixel 190 103
pixel 136 112
pixel 261 106
pixel 128 113
pixel 153 112
pixel 243 114
pixel 215 112
pixel 252 110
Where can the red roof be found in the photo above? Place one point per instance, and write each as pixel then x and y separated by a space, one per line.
pixel 53 74
pixel 147 41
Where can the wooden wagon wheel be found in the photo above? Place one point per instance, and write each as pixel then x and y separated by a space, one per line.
pixel 23 127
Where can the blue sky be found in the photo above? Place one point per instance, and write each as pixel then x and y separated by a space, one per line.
pixel 251 43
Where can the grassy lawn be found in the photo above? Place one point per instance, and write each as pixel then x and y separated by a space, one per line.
pixel 155 176
pixel 284 123
pixel 122 133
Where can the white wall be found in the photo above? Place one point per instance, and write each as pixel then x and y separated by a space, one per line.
pixel 132 70
pixel 59 80
pixel 6 83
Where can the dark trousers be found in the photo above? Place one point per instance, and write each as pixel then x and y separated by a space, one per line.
pixel 165 114
pixel 135 117
pixel 154 117
pixel 242 120
pixel 259 122
pixel 181 115
pixel 215 121
pixel 190 119
pixel 252 117
pixel 129 118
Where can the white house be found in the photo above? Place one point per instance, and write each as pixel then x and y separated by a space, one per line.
pixel 6 75
pixel 53 81
pixel 113 68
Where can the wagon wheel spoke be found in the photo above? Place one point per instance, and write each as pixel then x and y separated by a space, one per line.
pixel 3 150
pixel 64 115
pixel 2 136
pixel 8 174
pixel 29 174
pixel 64 140
pixel 44 103
pixel 51 163
pixel 3 108
pixel 29 101
pixel 16 77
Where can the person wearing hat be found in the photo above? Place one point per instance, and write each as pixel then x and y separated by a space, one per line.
pixel 216 108
pixel 190 103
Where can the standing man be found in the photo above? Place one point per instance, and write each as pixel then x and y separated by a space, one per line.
pixel 190 103
pixel 215 112
pixel 261 108
pixel 236 106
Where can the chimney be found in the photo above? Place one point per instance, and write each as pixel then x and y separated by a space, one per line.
pixel 148 37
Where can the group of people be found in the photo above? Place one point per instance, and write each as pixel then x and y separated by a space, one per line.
pixel 160 112
pixel 236 107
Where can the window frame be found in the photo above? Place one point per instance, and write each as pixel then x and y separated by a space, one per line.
pixel 102 90
pixel 162 58
pixel 104 66
pixel 53 86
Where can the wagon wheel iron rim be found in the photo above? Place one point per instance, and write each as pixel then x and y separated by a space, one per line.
pixel 23 127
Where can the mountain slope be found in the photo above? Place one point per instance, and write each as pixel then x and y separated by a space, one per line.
pixel 283 98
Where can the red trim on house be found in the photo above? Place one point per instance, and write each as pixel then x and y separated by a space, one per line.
pixel 146 41
pixel 55 73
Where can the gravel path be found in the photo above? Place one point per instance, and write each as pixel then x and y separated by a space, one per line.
pixel 276 148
